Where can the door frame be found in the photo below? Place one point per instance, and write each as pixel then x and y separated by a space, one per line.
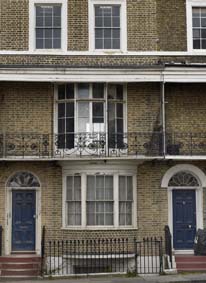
pixel 199 207
pixel 8 218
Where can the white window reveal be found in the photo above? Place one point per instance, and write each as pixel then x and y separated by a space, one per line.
pixel 47 27
pixel 107 25
pixel 99 200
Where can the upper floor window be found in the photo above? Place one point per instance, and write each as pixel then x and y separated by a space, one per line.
pixel 47 25
pixel 199 28
pixel 108 25
pixel 87 112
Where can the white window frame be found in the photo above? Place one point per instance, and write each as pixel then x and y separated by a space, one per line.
pixel 189 5
pixel 32 23
pixel 125 99
pixel 123 24
pixel 83 174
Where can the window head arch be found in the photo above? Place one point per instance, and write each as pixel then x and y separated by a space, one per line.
pixel 23 179
pixel 183 179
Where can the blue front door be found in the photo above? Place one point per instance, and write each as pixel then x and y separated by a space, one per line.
pixel 23 220
pixel 184 219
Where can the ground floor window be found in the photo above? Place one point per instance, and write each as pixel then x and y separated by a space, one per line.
pixel 99 199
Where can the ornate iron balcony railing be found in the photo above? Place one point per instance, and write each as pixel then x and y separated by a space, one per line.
pixel 101 144
pixel 186 144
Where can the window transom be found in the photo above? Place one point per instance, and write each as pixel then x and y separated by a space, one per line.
pixel 183 179
pixel 23 179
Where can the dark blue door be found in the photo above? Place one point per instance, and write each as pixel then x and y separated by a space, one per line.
pixel 23 220
pixel 184 218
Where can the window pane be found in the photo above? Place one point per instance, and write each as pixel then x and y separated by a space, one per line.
pixel 98 112
pixel 196 22
pixel 107 22
pixel 107 43
pixel 61 110
pixel 196 44
pixel 73 200
pixel 70 109
pixel 39 33
pixel 70 125
pixel 119 92
pixel 196 12
pixel 69 91
pixel 109 219
pixel 98 90
pixel 203 33
pixel 99 33
pixel 116 44
pixel 129 188
pixel 57 11
pixel 99 44
pixel 48 43
pixel 61 126
pixel 61 92
pixel 39 44
pixel 98 22
pixel 83 91
pixel 91 188
pixel 122 188
pixel 116 22
pixel 57 22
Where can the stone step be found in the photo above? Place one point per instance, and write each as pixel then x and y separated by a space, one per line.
pixel 11 265
pixel 190 258
pixel 19 259
pixel 21 272
pixel 191 265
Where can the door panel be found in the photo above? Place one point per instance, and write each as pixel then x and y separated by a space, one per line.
pixel 23 220
pixel 184 218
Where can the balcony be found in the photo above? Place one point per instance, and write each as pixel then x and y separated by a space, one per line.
pixel 186 144
pixel 80 145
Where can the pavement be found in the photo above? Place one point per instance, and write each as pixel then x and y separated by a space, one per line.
pixel 177 278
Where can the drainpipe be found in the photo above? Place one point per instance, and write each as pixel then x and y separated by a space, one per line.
pixel 163 116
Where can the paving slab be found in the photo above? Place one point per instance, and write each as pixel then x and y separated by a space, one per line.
pixel 189 278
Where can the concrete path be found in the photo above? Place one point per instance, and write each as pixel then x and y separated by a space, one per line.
pixel 190 278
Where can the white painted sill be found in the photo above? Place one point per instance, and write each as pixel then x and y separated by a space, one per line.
pixel 92 228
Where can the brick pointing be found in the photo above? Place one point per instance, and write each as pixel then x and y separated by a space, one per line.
pixel 151 25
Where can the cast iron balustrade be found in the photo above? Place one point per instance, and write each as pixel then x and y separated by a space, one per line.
pixel 168 245
pixel 96 144
pixel 186 144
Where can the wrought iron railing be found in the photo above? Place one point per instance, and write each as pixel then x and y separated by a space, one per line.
pixel 168 246
pixel 73 257
pixel 1 239
pixel 96 144
pixel 95 256
pixel 149 256
pixel 43 235
pixel 186 144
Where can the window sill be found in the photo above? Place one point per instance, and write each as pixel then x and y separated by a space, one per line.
pixel 48 51
pixel 106 228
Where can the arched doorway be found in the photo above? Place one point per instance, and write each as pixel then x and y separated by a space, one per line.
pixel 185 213
pixel 23 203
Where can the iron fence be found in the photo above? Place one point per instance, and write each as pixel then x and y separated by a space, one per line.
pixel 100 256
pixel 168 246
pixel 73 257
pixel 149 256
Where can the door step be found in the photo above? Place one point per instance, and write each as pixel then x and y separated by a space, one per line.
pixel 190 263
pixel 20 266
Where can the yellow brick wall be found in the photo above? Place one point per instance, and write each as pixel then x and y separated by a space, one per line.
pixel 152 200
pixel 151 25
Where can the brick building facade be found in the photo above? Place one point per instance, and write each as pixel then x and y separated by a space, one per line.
pixel 102 120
